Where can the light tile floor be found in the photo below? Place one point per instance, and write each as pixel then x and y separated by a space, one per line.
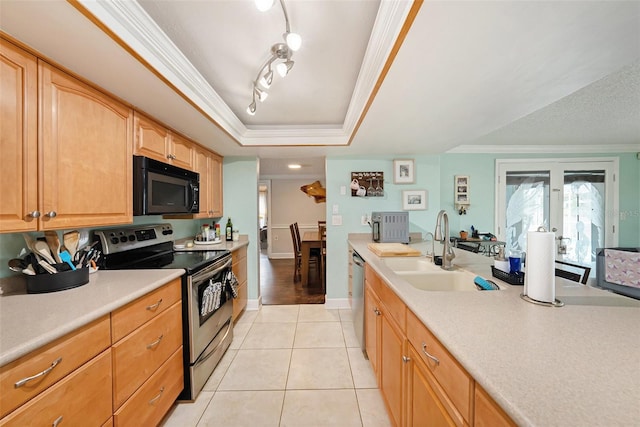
pixel 288 365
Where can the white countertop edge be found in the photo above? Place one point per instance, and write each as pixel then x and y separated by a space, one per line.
pixel 56 331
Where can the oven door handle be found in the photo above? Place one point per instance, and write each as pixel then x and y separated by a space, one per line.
pixel 210 273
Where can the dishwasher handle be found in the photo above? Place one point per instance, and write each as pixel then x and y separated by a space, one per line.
pixel 357 259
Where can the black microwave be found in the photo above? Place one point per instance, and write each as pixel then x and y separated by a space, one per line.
pixel 160 188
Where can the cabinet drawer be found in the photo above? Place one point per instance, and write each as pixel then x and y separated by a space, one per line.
pixel 131 316
pixel 72 350
pixel 240 271
pixel 138 355
pixel 238 254
pixel 151 402
pixel 83 398
pixel 450 375
pixel 393 304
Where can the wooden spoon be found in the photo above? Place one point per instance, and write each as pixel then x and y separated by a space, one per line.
pixel 54 243
pixel 43 250
pixel 71 240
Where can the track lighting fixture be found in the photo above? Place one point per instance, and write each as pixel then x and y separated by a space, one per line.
pixel 280 54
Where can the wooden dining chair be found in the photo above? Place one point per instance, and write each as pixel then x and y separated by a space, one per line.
pixel 322 230
pixel 297 253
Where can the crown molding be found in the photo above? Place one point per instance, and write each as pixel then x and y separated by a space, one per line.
pixel 135 29
pixel 544 149
pixel 128 21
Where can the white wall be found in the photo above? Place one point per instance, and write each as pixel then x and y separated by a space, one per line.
pixel 288 205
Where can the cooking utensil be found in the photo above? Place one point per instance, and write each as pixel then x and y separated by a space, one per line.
pixel 30 241
pixel 83 239
pixel 48 267
pixel 54 243
pixel 16 264
pixel 66 257
pixel 70 240
pixel 43 250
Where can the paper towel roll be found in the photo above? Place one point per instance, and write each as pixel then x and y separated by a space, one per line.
pixel 540 278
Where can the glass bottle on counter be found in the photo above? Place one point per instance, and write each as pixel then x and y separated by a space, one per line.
pixel 229 231
pixel 205 232
pixel 217 237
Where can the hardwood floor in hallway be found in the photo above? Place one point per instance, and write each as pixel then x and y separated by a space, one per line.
pixel 277 286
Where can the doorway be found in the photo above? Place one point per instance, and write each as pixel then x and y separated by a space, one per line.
pixel 570 197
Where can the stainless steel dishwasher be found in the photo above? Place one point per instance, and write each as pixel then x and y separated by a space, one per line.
pixel 357 298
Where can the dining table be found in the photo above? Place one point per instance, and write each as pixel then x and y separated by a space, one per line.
pixel 310 240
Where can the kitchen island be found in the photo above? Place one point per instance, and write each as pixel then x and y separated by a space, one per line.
pixel 575 365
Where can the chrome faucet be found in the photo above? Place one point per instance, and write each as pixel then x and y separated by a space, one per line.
pixel 447 251
pixel 432 253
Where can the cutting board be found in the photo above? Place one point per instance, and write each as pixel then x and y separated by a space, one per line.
pixel 392 249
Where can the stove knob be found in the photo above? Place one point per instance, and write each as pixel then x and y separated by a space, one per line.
pixel 132 238
pixel 123 239
pixel 114 240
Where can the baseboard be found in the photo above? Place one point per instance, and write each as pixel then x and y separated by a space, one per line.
pixel 254 304
pixel 337 303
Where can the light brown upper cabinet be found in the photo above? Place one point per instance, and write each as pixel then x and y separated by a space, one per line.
pixel 85 140
pixel 209 167
pixel 18 139
pixel 68 163
pixel 155 141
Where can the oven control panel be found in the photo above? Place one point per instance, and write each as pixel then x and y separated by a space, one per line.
pixel 121 239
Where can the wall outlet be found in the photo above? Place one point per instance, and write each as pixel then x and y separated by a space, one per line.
pixel 365 219
pixel 336 209
pixel 336 220
pixel 275 237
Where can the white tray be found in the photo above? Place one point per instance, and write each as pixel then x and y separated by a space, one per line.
pixel 207 243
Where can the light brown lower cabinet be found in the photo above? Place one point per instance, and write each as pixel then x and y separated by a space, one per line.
pixel 86 379
pixel 82 398
pixel 421 383
pixel 239 268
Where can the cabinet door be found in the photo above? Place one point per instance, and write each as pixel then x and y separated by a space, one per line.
pixel 216 186
pixel 372 320
pixel 424 407
pixel 181 152
pixel 85 141
pixel 18 139
pixel 487 412
pixel 202 166
pixel 151 139
pixel 392 345
pixel 239 268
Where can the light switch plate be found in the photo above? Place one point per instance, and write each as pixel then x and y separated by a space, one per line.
pixel 336 220
pixel 343 190
pixel 336 209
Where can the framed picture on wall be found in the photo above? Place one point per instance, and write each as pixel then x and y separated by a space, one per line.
pixel 403 171
pixel 414 200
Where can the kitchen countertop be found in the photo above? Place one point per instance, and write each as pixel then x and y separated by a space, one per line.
pixel 29 321
pixel 576 365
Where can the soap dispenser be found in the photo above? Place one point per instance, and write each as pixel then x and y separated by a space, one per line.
pixel 500 261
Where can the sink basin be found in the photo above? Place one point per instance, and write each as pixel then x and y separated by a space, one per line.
pixel 410 264
pixel 457 280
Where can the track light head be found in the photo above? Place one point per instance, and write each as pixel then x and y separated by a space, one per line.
pixel 264 5
pixel 251 109
pixel 262 94
pixel 294 41
pixel 283 68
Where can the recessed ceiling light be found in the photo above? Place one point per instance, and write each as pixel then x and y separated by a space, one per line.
pixel 294 166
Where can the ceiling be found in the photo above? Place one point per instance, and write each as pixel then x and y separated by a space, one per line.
pixel 470 76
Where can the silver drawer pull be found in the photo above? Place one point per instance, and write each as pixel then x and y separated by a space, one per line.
pixel 155 343
pixel 152 401
pixel 38 375
pixel 426 353
pixel 154 306
pixel 57 421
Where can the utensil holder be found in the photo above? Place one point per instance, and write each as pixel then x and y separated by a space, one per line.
pixel 43 283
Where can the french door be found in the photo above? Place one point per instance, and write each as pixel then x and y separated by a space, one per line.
pixel 573 198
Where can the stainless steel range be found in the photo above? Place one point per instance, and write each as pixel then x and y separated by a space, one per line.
pixel 207 305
